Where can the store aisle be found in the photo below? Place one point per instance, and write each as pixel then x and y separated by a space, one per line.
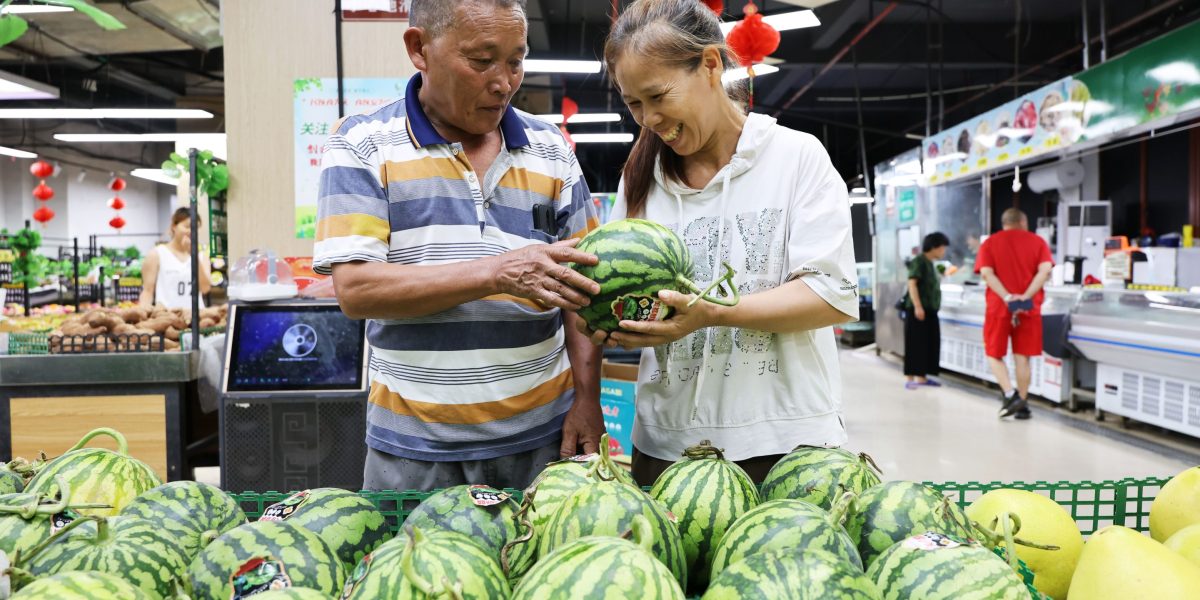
pixel 952 433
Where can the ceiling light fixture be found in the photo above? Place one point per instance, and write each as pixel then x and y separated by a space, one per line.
pixel 557 119
pixel 538 65
pixel 16 153
pixel 597 138
pixel 33 9
pixel 15 87
pixel 798 19
pixel 740 73
pixel 155 175
pixel 104 113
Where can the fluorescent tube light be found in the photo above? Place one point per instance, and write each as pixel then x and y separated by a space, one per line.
pixel 16 153
pixel 799 19
pixel 556 119
pixel 15 87
pixel 104 113
pixel 154 175
pixel 535 65
pixel 593 138
pixel 740 73
pixel 32 9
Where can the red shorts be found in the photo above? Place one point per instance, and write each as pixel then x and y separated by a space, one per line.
pixel 1026 336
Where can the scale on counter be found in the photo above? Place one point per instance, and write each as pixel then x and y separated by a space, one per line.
pixel 293 401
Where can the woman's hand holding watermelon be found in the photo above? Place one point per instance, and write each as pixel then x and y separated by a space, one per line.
pixel 685 318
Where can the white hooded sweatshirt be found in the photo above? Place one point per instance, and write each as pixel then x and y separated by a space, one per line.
pixel 778 211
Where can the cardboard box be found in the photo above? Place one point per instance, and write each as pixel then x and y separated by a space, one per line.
pixel 618 388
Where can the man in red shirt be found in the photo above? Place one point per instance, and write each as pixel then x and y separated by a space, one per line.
pixel 1015 264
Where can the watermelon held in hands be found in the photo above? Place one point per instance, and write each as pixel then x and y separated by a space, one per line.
pixel 785 525
pixel 794 574
pixel 97 474
pixel 419 564
pixel 820 475
pixel 602 568
pixel 349 523
pixel 135 549
pixel 639 258
pixel 264 555
pixel 707 494
pixel 933 566
pixel 193 513
pixel 81 585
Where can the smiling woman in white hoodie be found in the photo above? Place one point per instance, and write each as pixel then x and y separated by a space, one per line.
pixel 761 377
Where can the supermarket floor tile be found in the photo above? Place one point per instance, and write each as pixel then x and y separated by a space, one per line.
pixel 952 433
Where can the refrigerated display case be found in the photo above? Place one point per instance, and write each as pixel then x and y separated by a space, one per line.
pixel 961 316
pixel 1146 345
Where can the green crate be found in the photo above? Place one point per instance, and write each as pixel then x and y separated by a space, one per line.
pixel 29 343
pixel 1094 505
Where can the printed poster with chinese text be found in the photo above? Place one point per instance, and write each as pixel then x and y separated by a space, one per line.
pixel 315 102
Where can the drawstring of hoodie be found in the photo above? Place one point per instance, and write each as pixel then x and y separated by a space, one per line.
pixel 707 351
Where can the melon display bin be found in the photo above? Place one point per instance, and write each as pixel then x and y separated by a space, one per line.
pixel 1093 504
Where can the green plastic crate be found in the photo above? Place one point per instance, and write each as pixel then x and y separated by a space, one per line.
pixel 28 343
pixel 1094 505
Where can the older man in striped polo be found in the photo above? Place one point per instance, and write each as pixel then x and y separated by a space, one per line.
pixel 440 217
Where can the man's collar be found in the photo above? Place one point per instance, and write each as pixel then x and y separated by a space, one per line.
pixel 422 132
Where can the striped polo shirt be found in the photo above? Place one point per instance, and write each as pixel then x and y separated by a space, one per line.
pixel 487 378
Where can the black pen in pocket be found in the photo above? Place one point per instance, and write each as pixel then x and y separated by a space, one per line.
pixel 544 220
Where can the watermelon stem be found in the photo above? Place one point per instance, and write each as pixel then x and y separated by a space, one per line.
pixel 995 539
pixel 704 450
pixel 122 444
pixel 719 285
pixel 39 504
pixel 863 456
pixel 207 537
pixel 640 533
pixel 20 558
pixel 841 507
pixel 522 519
pixel 406 564
pixel 18 578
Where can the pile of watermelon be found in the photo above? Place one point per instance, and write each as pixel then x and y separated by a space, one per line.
pixel 97 524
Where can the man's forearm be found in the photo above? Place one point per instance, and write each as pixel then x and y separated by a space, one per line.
pixel 993 283
pixel 1039 280
pixel 585 360
pixel 376 290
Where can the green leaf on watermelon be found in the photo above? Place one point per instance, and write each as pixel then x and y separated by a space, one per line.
pixel 101 18
pixel 11 28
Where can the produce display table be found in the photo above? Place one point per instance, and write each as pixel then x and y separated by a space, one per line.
pixel 48 402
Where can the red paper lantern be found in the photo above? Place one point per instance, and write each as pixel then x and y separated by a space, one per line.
pixel 43 192
pixel 43 214
pixel 717 6
pixel 116 203
pixel 117 184
pixel 41 169
pixel 752 39
pixel 116 222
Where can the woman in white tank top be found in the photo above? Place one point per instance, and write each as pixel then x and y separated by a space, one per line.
pixel 167 271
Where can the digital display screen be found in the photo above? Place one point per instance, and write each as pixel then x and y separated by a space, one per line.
pixel 295 348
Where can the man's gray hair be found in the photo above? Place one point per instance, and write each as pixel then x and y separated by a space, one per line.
pixel 436 16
